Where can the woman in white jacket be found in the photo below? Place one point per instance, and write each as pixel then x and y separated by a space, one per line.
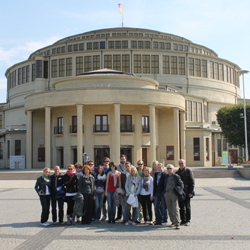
pixel 133 189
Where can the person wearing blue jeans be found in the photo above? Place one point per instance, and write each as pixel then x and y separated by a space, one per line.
pixel 159 199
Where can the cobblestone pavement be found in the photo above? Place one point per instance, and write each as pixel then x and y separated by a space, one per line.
pixel 220 220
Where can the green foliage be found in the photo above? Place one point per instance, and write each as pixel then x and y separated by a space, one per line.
pixel 232 124
pixel 240 159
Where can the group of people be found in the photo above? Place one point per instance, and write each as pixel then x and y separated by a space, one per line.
pixel 107 187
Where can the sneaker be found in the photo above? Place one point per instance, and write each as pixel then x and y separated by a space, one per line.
pixel 126 224
pixel 45 224
pixel 103 218
pixel 172 225
pixel 133 223
pixel 151 223
pixel 177 227
pixel 118 218
pixel 164 223
pixel 187 223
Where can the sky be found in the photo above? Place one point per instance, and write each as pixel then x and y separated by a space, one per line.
pixel 220 25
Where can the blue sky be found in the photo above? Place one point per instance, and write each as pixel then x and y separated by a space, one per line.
pixel 221 25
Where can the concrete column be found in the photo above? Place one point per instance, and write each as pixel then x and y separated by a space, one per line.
pixel 79 132
pixel 176 136
pixel 47 136
pixel 183 135
pixel 152 133
pixel 29 148
pixel 117 137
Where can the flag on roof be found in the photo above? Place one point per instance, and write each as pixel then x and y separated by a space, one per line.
pixel 120 8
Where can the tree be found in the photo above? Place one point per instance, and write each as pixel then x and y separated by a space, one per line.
pixel 231 121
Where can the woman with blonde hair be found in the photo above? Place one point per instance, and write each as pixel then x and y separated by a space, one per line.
pixel 70 182
pixel 42 188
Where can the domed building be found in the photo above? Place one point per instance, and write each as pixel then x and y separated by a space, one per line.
pixel 142 93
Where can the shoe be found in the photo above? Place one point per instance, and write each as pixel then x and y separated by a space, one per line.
pixel 126 224
pixel 157 224
pixel 172 225
pixel 133 223
pixel 183 222
pixel 113 221
pixel 151 223
pixel 103 218
pixel 109 221
pixel 45 224
pixel 187 223
pixel 118 218
pixel 177 227
pixel 164 223
pixel 78 220
pixel 137 222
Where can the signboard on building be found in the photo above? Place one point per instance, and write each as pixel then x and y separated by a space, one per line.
pixel 224 157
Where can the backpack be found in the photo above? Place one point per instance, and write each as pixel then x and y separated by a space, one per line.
pixel 78 207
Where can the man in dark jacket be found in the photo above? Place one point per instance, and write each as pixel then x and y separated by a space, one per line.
pixel 187 178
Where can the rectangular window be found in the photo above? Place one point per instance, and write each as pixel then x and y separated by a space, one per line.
pixel 189 111
pixel 126 123
pixel 221 72
pixel 19 79
pixel 101 123
pixel 194 111
pixel 133 44
pixel 63 49
pixel 73 127
pixel 17 147
pixel 124 44
pixel 204 68
pixel 8 149
pixel 137 63
pixel 147 45
pixel 205 107
pixel 140 44
pixel 102 45
pixel 75 47
pixel 155 45
pixel 23 75
pixel 118 44
pixel 41 154
pixel 155 64
pixel 117 62
pixel 219 152
pixel 216 71
pixel 45 69
pixel 207 149
pixel 196 143
pixel 175 46
pixel 180 47
pixel 1 121
pixel 145 124
pixel 62 67
pixel 1 150
pixel 95 45
pixel 96 62
pixel 69 66
pixel 39 67
pixel 181 65
pixel 111 44
pixel 199 112
pixel 126 63
pixel 70 48
pixel 211 70
pixel 170 153
pixel 197 67
pixel 81 46
pixel 146 64
pixel 161 45
pixel 168 46
pixel 165 65
pixel 108 61
pixel 173 65
pixel 59 129
pixel 191 66
pixel 89 46
pixel 54 68
pixel 185 48
pixel 87 64
pixel 33 72
pixel 79 65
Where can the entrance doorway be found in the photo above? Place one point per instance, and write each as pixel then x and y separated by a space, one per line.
pixel 99 154
pixel 233 156
pixel 128 153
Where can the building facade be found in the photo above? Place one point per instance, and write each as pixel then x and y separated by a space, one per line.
pixel 143 93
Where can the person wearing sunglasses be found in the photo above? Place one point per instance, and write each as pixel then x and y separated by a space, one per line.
pixel 70 181
pixel 172 180
pixel 187 178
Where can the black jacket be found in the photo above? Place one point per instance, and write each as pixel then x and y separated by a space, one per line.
pixel 41 185
pixel 56 181
pixel 159 188
pixel 187 178
pixel 70 183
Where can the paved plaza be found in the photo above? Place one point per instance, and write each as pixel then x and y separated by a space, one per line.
pixel 220 220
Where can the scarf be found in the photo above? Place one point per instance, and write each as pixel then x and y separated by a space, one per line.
pixel 146 180
pixel 101 177
pixel 114 177
pixel 79 174
pixel 46 178
pixel 70 173
pixel 134 182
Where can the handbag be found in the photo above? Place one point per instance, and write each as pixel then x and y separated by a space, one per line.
pixel 179 193
pixel 60 192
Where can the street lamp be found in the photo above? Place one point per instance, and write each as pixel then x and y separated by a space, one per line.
pixel 242 72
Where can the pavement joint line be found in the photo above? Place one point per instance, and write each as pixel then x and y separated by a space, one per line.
pixel 7 190
pixel 238 201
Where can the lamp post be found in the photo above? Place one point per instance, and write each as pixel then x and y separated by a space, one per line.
pixel 242 72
